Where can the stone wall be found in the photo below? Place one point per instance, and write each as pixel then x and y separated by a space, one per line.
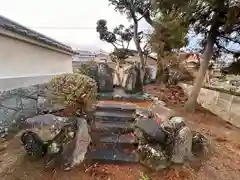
pixel 224 105
pixel 18 104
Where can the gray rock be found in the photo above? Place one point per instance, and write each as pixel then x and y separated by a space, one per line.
pixel 151 130
pixel 44 106
pixel 67 139
pixel 80 143
pixel 174 124
pixel 200 145
pixel 177 122
pixel 153 157
pixel 144 113
pixel 34 146
pixel 182 149
pixel 46 126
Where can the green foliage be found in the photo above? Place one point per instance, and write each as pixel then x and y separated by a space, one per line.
pixel 202 16
pixel 144 177
pixel 75 91
pixel 120 38
pixel 104 34
pixel 134 8
pixel 89 69
pixel 170 29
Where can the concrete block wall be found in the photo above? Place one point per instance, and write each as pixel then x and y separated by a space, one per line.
pixel 224 105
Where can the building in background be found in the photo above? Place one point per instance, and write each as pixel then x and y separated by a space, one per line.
pixel 28 58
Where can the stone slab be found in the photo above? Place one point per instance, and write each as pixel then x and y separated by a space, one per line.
pixel 129 108
pixel 119 139
pixel 151 128
pixel 126 97
pixel 113 127
pixel 114 116
pixel 112 155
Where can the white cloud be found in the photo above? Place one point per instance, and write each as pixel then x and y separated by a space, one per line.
pixel 78 14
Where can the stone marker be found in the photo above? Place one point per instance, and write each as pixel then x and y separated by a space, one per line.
pixel 105 78
pixel 182 149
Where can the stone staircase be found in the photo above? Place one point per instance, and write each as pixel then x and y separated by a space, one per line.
pixel 112 134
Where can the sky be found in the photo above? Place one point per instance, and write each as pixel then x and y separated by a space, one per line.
pixel 72 22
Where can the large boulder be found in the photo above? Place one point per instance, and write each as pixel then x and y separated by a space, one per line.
pixel 73 150
pixel 63 140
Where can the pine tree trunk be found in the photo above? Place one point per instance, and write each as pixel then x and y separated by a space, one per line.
pixel 192 100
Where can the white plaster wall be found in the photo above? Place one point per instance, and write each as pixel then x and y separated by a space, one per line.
pixel 150 61
pixel 25 64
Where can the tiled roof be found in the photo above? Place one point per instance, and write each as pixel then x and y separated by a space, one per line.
pixel 12 26
pixel 84 53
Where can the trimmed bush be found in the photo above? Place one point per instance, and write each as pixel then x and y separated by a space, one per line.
pixel 75 91
pixel 89 69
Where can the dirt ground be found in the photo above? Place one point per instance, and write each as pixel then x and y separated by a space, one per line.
pixel 223 164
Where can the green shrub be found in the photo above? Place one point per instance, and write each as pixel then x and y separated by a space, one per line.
pixel 88 68
pixel 75 91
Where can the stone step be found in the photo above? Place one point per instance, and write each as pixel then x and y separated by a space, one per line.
pixel 119 139
pixel 112 155
pixel 110 107
pixel 114 116
pixel 113 127
pixel 127 97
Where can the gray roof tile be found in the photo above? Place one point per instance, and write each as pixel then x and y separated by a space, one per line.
pixel 20 29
